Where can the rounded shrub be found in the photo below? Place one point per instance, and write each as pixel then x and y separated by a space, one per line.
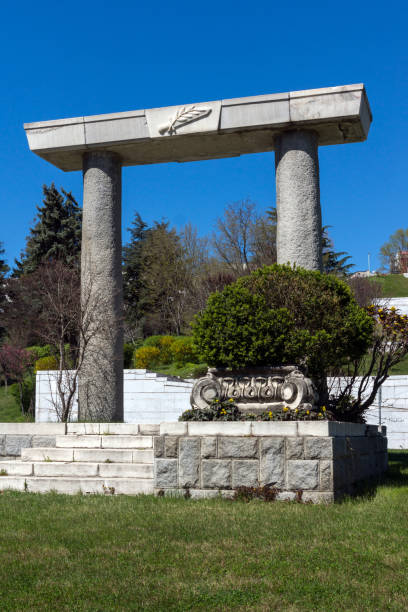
pixel 146 357
pixel 165 346
pixel 183 351
pixel 282 315
pixel 46 363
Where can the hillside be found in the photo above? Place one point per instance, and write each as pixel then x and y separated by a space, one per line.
pixel 392 285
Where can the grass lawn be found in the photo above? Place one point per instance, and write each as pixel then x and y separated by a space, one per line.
pixel 101 554
pixel 393 285
pixel 9 409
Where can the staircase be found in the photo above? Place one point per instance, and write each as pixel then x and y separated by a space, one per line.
pixel 108 464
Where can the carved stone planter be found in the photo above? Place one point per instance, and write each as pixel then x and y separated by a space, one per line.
pixel 256 389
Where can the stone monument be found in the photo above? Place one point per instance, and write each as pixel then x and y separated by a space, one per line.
pixel 292 124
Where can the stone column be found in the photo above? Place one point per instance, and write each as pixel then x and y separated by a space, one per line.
pixel 298 199
pixel 101 375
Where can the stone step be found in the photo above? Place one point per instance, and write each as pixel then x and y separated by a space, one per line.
pixel 104 441
pixel 76 469
pixel 108 486
pixel 93 455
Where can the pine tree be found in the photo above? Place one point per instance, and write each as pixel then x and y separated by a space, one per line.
pixel 132 266
pixel 334 263
pixel 3 271
pixel 56 234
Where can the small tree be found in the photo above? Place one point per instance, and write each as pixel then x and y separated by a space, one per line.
pixel 397 242
pixel 354 386
pixel 15 363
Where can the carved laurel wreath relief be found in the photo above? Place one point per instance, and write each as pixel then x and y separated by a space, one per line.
pixel 182 117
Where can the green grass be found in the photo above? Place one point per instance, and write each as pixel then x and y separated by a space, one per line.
pixel 393 285
pixel 9 409
pixel 94 553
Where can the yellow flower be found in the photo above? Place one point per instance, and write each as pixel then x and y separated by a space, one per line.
pixel 307 411
pixel 324 408
pixel 285 409
pixel 230 399
pixel 320 414
pixel 270 413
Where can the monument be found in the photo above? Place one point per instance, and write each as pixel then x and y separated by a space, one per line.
pixel 292 124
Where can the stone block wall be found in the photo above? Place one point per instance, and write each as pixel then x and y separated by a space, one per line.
pixel 313 461
pixel 15 436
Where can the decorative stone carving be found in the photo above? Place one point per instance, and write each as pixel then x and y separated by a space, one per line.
pixel 256 389
pixel 183 116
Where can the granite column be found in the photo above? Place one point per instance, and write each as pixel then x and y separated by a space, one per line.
pixel 101 372
pixel 299 225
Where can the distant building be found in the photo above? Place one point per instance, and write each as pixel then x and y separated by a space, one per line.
pixel 399 263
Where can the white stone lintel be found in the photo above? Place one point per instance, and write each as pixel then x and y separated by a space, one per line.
pixel 204 130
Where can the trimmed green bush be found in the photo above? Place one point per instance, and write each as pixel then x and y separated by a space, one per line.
pixel 282 315
pixel 146 357
pixel 46 363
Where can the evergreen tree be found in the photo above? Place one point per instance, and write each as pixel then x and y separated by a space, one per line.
pixel 132 266
pixel 3 271
pixel 56 234
pixel 334 263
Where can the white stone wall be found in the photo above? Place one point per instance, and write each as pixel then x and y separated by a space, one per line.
pixel 151 398
pixel 148 397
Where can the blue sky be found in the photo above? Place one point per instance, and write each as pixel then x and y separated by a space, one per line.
pixel 83 58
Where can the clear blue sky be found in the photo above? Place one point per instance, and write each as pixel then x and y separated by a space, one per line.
pixel 64 59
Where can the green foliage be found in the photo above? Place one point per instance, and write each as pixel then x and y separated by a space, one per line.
pixel 46 363
pixel 183 351
pixel 391 285
pixel 24 393
pixel 282 315
pixel 56 234
pixel 10 411
pixel 128 350
pixel 40 351
pixel 225 410
pixel 4 269
pixel 334 263
pixel 146 357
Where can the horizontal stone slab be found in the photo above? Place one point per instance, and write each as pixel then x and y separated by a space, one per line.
pixel 204 130
pixel 33 429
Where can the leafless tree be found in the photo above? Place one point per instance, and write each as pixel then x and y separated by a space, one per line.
pixel 244 240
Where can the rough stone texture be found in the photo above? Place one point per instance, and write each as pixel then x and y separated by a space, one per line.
pixel 189 462
pixel 326 476
pixel 2 445
pixel 166 473
pixel 158 443
pixel 285 496
pixel 171 446
pixel 317 497
pixel 49 441
pixel 272 468
pixel 100 389
pixel 318 448
pixel 294 448
pixel 245 473
pixel 302 475
pixel 298 199
pixel 216 474
pixel 237 447
pixel 209 447
pixel 14 444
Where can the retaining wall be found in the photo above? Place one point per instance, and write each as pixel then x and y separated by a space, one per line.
pixel 314 461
